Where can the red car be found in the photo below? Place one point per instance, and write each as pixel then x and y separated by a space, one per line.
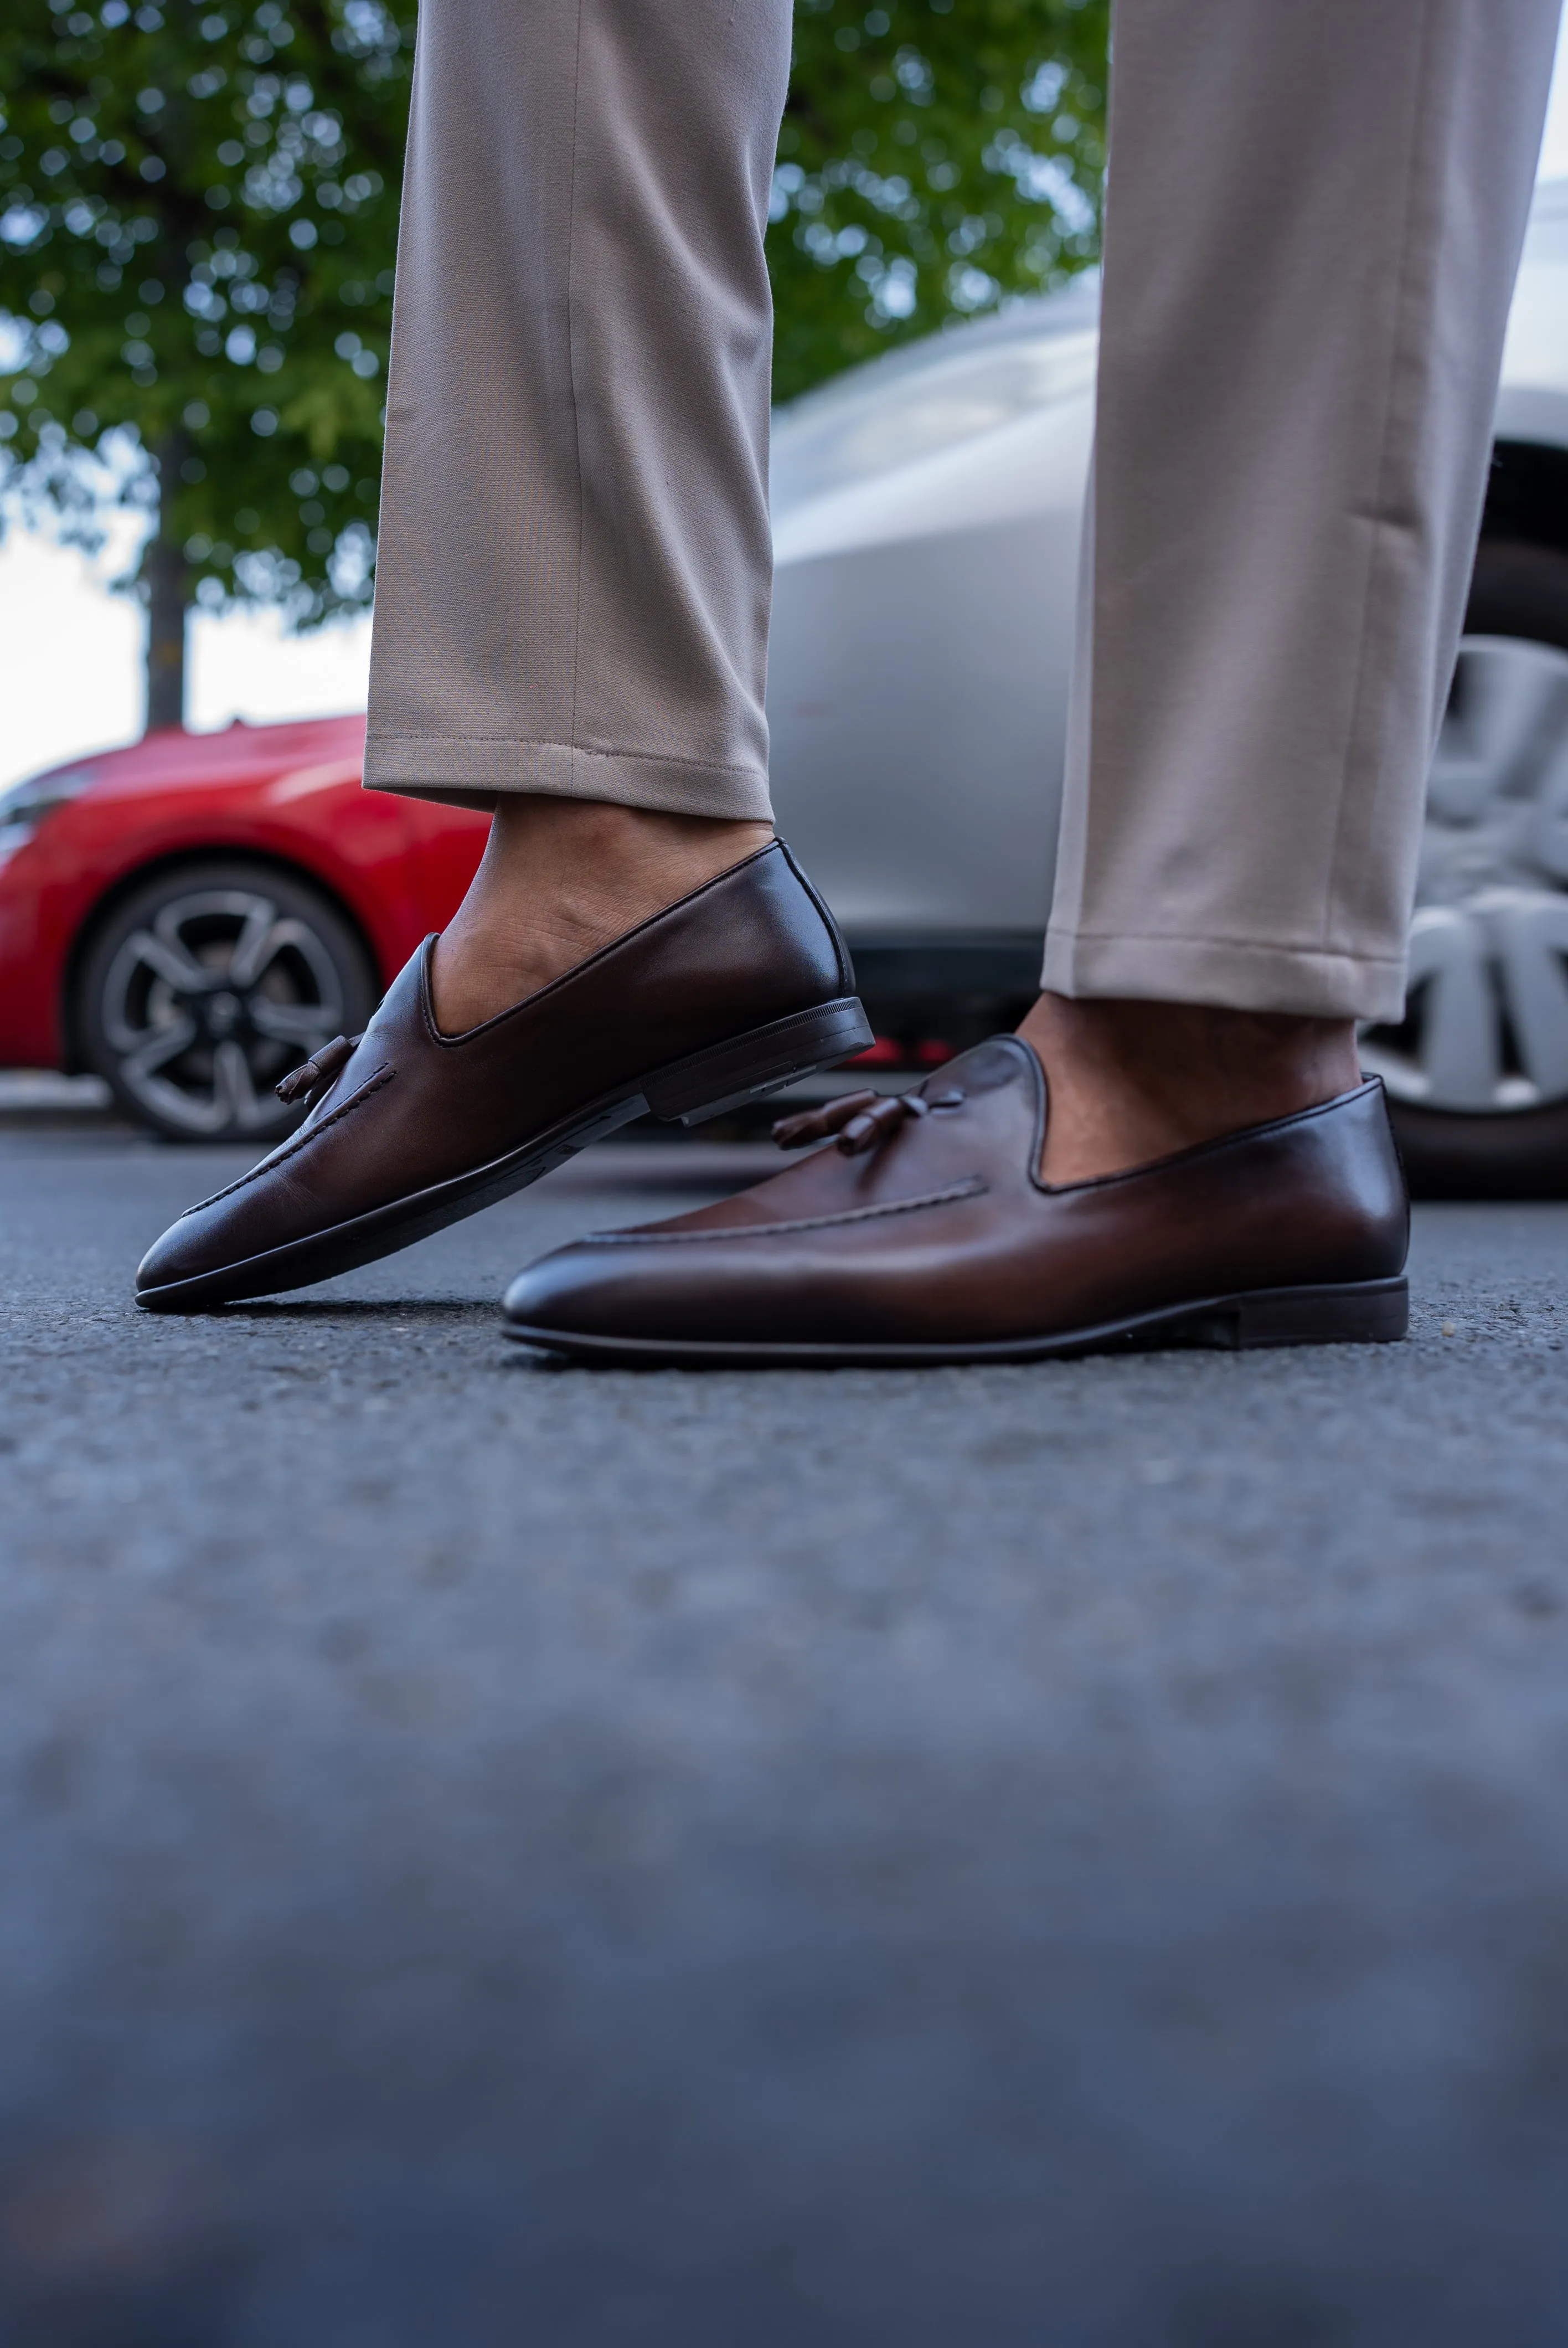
pixel 190 917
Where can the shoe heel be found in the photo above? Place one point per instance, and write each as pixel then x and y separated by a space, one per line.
pixel 1359 1313
pixel 749 1066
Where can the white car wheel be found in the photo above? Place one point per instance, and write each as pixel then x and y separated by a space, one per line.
pixel 1478 1071
pixel 1486 1026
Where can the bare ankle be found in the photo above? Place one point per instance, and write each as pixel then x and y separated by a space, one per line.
pixel 1133 1081
pixel 559 879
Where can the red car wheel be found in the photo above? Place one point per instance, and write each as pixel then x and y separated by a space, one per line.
pixel 208 983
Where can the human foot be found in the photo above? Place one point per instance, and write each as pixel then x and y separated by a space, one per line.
pixel 1131 1082
pixel 740 986
pixel 559 879
pixel 924 1236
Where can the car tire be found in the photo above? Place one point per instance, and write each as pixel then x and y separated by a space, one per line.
pixel 1520 591
pixel 208 983
pixel 1517 590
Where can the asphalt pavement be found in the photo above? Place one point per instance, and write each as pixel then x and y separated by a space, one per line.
pixel 501 1856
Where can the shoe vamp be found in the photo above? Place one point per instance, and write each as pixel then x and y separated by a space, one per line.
pixel 382 1137
pixel 990 1138
pixel 987 1255
pixel 971 1265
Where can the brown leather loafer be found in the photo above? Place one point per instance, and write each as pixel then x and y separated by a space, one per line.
pixel 732 992
pixel 925 1236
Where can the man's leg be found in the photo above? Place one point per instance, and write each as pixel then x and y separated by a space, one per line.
pixel 1313 224
pixel 1316 211
pixel 571 620
pixel 574 567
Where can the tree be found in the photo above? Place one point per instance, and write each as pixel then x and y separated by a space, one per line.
pixel 937 157
pixel 198 214
pixel 198 226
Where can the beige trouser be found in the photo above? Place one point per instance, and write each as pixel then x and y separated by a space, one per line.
pixel 1315 217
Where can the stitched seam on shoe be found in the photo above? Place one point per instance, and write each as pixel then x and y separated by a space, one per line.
pixel 383 1075
pixel 973 1189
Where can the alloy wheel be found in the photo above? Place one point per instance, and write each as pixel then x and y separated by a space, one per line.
pixel 205 1006
pixel 1486 1020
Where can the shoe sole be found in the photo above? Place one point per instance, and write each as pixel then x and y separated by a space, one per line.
pixel 1352 1312
pixel 686 1092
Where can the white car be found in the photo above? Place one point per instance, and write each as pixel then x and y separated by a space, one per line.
pixel 926 517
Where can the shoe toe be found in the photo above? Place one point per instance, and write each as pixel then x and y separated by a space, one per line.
pixel 565 1294
pixel 177 1257
pixel 197 1257
pixel 608 1289
pixel 623 1291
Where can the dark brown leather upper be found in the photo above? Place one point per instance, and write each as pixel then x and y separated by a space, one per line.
pixel 942 1232
pixel 411 1108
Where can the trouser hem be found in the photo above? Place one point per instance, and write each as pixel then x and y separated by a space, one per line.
pixel 1309 982
pixel 474 774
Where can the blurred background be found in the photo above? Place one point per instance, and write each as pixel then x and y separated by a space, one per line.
pixel 932 129
pixel 198 228
pixel 198 245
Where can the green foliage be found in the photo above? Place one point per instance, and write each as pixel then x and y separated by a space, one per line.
pixel 937 156
pixel 197 217
pixel 198 224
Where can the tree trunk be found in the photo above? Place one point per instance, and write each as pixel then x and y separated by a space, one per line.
pixel 167 578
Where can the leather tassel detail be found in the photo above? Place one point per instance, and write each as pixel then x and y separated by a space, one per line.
pixel 314 1078
pixel 856 1123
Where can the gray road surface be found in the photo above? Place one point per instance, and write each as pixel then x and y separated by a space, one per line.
pixel 505 1857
